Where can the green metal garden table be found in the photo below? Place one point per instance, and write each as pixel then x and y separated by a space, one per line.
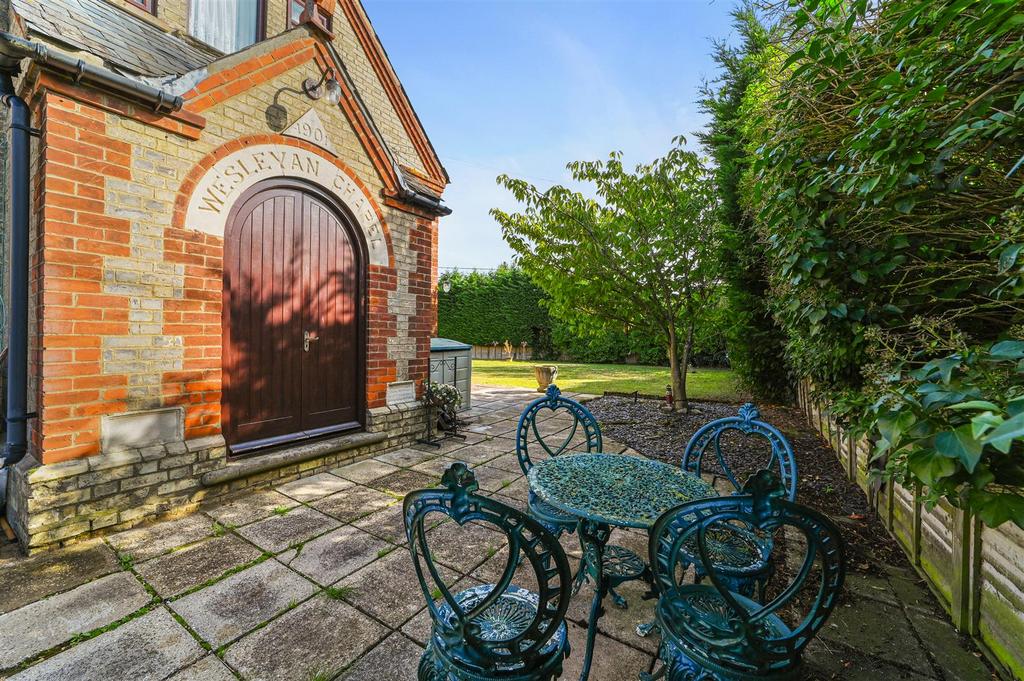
pixel 606 491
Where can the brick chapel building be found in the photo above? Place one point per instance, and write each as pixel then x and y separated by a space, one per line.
pixel 232 253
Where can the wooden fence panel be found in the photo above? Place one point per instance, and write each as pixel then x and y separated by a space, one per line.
pixel 977 572
pixel 1000 616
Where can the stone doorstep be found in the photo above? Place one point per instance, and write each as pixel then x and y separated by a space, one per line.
pixel 236 470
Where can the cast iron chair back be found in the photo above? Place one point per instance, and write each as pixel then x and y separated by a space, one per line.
pixel 748 422
pixel 718 630
pixel 482 646
pixel 553 401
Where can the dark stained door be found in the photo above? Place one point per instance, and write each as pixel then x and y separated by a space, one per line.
pixel 292 328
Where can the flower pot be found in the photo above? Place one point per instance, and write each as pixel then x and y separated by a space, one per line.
pixel 546 375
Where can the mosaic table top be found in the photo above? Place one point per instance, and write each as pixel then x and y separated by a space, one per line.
pixel 618 490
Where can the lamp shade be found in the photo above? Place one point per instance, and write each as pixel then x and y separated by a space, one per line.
pixel 333 91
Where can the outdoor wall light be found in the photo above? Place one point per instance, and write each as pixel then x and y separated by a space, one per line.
pixel 446 285
pixel 317 90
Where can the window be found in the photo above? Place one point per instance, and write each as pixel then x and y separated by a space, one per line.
pixel 295 8
pixel 148 5
pixel 228 25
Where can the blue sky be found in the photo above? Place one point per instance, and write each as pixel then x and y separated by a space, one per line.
pixel 525 86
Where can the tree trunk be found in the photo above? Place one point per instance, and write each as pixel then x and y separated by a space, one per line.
pixel 681 399
pixel 678 378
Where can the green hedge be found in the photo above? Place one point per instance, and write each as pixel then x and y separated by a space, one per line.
pixel 875 177
pixel 483 308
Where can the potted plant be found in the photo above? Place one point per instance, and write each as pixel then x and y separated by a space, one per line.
pixel 444 400
pixel 546 375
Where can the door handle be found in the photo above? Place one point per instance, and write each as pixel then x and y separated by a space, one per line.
pixel 307 338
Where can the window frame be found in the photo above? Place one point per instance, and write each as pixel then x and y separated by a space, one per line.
pixel 288 24
pixel 261 23
pixel 148 6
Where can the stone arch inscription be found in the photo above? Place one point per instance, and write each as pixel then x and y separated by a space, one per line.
pixel 220 187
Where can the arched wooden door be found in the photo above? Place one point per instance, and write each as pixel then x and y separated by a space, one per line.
pixel 293 354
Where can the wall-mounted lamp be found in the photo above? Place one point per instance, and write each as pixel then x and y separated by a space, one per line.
pixel 446 285
pixel 317 90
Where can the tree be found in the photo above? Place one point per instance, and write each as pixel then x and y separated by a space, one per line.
pixel 640 256
pixel 756 342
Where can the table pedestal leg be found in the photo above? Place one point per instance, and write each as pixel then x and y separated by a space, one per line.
pixel 593 537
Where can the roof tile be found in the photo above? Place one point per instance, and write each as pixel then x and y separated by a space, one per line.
pixel 123 41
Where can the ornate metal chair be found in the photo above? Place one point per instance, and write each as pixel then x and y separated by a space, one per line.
pixel 494 631
pixel 748 423
pixel 555 520
pixel 620 564
pixel 709 631
pixel 736 546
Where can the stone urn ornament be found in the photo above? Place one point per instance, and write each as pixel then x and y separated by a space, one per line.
pixel 546 375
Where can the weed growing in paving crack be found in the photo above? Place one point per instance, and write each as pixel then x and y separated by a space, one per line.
pixel 339 592
pixel 220 530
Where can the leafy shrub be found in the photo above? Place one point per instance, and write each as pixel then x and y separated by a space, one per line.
pixel 882 149
pixel 956 424
pixel 882 187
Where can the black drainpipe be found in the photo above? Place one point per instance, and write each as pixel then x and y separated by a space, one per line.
pixel 17 316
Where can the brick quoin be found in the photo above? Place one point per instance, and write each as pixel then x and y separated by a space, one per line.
pixel 197 319
pixel 423 285
pixel 74 234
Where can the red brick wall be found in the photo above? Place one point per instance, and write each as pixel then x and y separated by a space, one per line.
pixel 78 156
pixel 380 325
pixel 74 233
pixel 423 285
pixel 197 319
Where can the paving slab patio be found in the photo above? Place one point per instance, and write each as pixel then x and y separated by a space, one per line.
pixel 84 608
pixel 226 610
pixel 152 646
pixel 290 527
pixel 282 650
pixel 179 571
pixel 311 580
pixel 210 668
pixel 47 573
pixel 396 658
pixel 336 554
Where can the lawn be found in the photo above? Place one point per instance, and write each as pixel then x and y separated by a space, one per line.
pixel 714 384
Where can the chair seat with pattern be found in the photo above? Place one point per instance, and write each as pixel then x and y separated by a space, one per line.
pixel 506 618
pixel 491 632
pixel 710 631
pixel 702 607
pixel 737 548
pixel 706 457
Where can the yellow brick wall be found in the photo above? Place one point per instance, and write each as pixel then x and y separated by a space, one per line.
pixel 174 12
pixel 373 94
